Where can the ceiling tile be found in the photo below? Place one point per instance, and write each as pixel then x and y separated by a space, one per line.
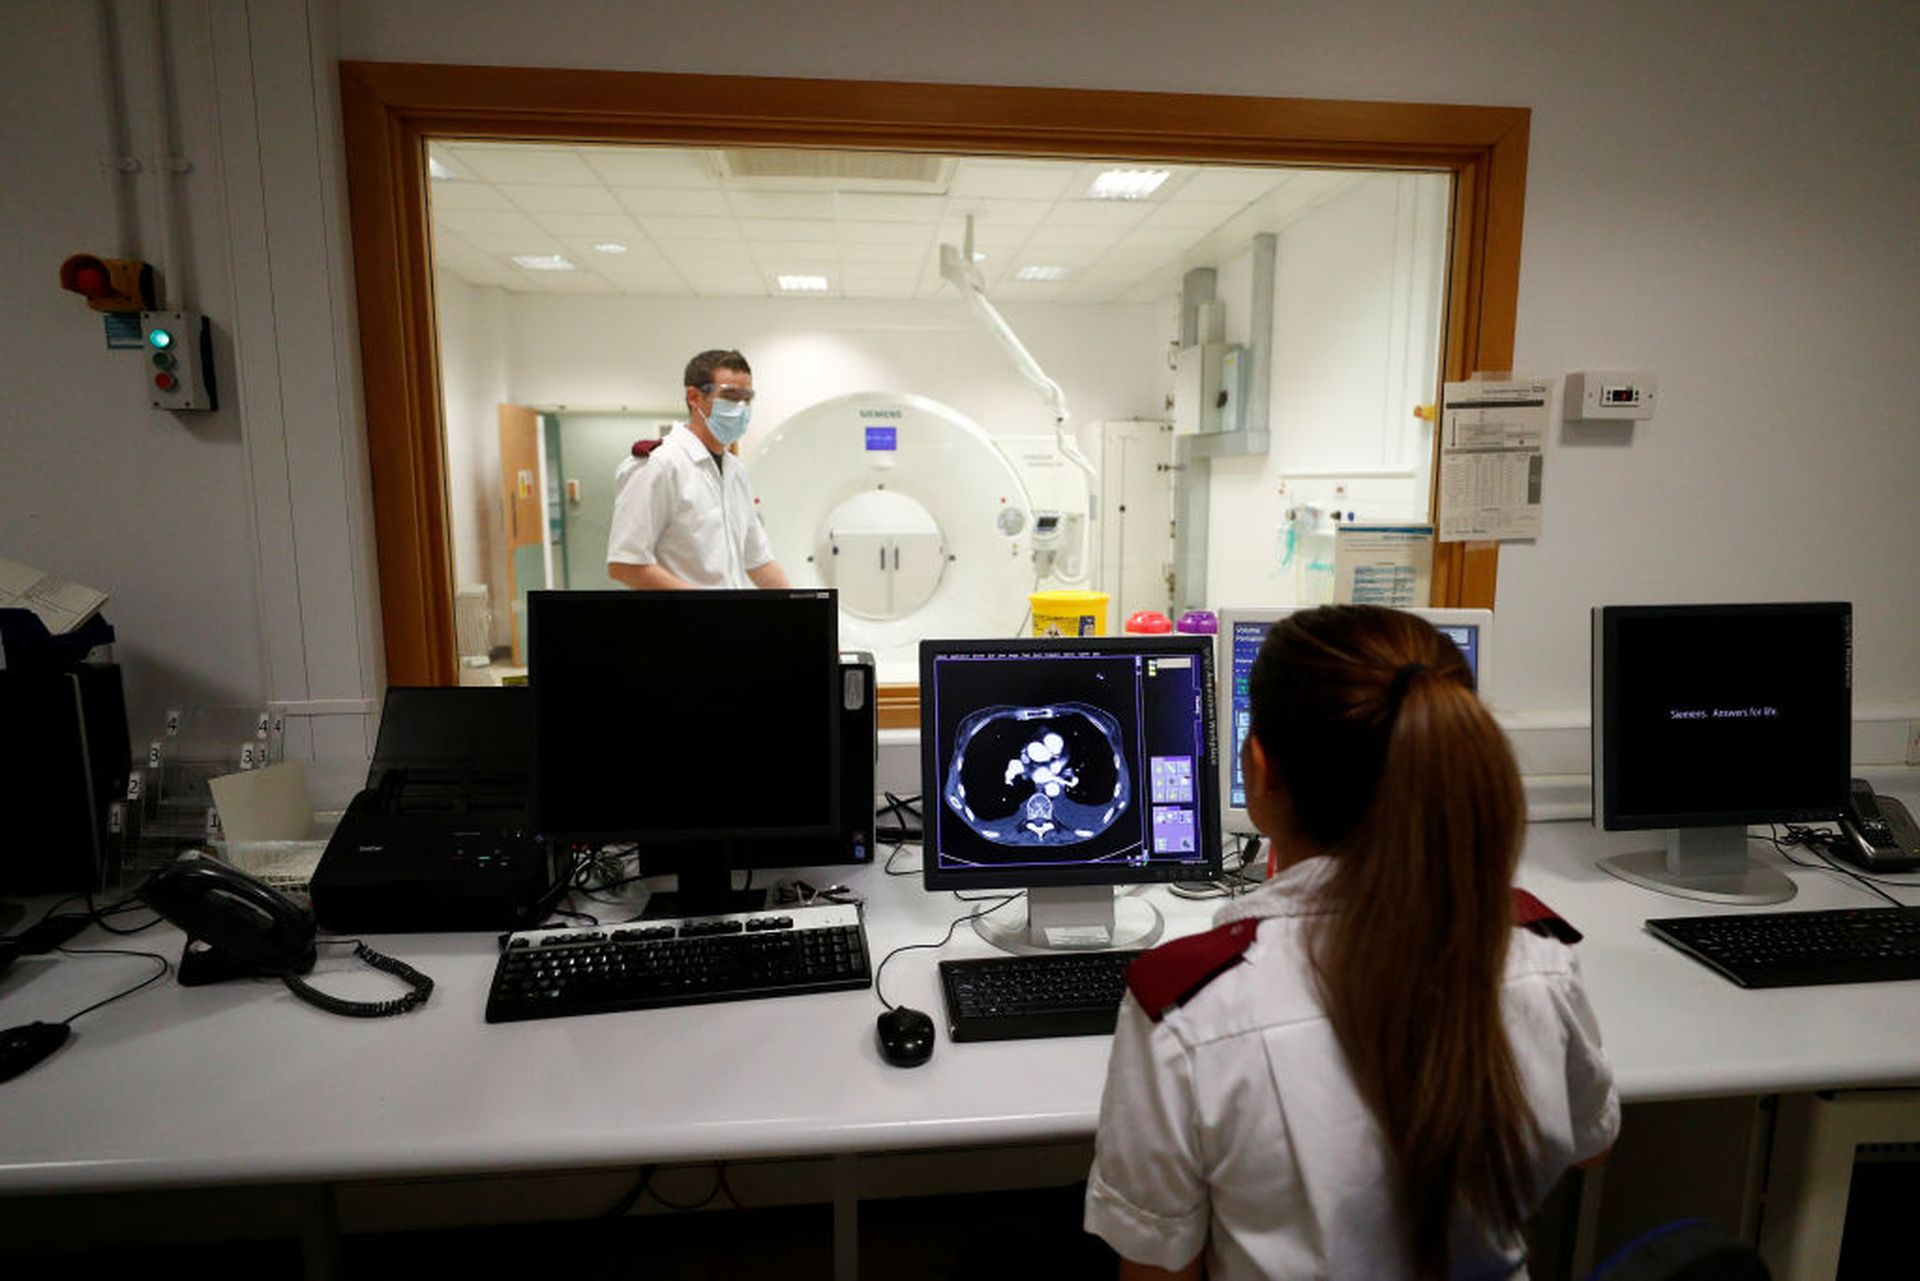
pixel 566 282
pixel 1172 239
pixel 520 162
pixel 1111 214
pixel 674 203
pixel 1230 186
pixel 704 253
pixel 991 214
pixel 886 233
pixel 612 226
pixel 640 253
pixel 442 196
pixel 542 198
pixel 788 230
pixel 512 243
pixel 666 229
pixel 782 204
pixel 978 178
pixel 497 221
pixel 648 166
pixel 1201 216
pixel 856 206
pixel 854 251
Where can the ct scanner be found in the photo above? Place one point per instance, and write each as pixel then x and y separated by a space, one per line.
pixel 979 564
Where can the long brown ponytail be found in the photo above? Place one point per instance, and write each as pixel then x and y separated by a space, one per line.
pixel 1390 761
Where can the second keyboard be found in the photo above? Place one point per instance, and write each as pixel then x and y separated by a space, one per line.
pixel 647 964
pixel 1005 998
pixel 1801 949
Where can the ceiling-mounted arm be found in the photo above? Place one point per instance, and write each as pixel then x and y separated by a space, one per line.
pixel 957 267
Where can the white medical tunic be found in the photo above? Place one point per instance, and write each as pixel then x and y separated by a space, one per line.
pixel 693 519
pixel 1233 1124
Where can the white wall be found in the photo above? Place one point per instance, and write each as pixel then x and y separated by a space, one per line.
pixel 1721 192
pixel 1359 292
pixel 473 384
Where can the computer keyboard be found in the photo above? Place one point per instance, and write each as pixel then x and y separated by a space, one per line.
pixel 643 965
pixel 1004 998
pixel 1801 949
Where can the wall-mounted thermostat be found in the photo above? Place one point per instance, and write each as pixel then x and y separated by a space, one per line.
pixel 1599 395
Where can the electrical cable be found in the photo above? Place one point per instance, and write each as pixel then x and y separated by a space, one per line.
pixel 166 968
pixel 945 939
pixel 1821 844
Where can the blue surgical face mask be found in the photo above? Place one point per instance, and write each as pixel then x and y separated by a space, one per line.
pixel 728 419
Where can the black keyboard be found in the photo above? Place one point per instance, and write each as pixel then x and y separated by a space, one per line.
pixel 644 965
pixel 1801 949
pixel 1005 998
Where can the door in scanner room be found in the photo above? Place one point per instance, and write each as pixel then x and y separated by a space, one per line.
pixel 522 496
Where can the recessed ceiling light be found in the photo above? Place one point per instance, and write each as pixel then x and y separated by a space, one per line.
pixel 609 247
pixel 1041 273
pixel 545 262
pixel 1127 184
pixel 803 284
pixel 437 170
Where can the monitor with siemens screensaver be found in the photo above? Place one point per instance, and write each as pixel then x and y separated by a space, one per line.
pixel 1241 632
pixel 1066 767
pixel 702 727
pixel 1710 718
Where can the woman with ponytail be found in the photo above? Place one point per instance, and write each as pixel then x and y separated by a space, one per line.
pixel 1366 1070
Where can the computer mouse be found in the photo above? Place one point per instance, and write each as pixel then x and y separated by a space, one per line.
pixel 22 1047
pixel 906 1036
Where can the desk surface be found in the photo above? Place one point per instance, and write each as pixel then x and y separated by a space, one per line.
pixel 240 1083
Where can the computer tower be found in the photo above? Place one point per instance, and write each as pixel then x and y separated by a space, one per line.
pixel 859 756
pixel 64 757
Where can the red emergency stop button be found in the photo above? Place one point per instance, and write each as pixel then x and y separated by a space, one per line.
pixel 165 381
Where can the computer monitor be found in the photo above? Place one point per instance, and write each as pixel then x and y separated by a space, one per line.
pixel 1067 767
pixel 1242 630
pixel 1708 718
pixel 703 726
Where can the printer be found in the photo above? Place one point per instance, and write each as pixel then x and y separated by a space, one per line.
pixel 439 838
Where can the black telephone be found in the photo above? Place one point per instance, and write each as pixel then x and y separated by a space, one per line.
pixel 1878 832
pixel 237 926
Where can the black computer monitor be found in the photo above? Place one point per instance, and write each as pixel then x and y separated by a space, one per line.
pixel 703 726
pixel 1709 718
pixel 1065 768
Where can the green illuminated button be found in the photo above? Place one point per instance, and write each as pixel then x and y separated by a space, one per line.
pixel 159 338
pixel 164 360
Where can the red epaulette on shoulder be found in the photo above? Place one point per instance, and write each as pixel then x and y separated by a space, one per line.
pixel 641 448
pixel 1529 913
pixel 1170 974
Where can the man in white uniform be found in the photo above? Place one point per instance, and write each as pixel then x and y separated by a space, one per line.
pixel 684 516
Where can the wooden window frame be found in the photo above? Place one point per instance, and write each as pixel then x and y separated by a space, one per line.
pixel 391 110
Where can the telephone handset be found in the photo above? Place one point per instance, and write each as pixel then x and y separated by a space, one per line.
pixel 1879 834
pixel 237 926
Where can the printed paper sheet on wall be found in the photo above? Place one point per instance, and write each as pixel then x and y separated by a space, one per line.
pixel 1492 437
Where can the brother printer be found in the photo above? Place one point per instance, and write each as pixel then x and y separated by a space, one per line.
pixel 439 839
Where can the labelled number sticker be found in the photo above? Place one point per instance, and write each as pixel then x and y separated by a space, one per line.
pixel 116 818
pixel 213 822
pixel 153 755
pixel 246 756
pixel 260 726
pixel 133 785
pixel 173 723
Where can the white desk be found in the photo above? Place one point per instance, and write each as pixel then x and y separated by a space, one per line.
pixel 241 1084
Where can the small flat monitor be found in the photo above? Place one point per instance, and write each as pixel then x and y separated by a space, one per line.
pixel 1066 767
pixel 701 726
pixel 1710 718
pixel 1242 631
